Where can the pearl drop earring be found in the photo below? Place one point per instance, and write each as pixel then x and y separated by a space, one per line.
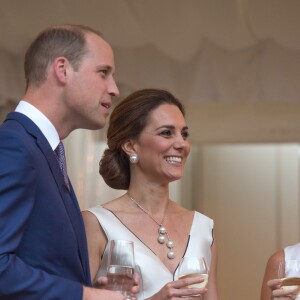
pixel 133 158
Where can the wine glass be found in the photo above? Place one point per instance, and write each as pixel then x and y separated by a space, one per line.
pixel 194 267
pixel 289 272
pixel 120 268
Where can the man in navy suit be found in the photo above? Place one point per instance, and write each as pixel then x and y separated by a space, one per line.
pixel 69 84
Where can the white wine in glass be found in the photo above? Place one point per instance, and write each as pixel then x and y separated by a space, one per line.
pixel 120 268
pixel 289 272
pixel 194 267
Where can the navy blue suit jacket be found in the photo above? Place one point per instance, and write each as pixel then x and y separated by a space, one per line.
pixel 43 249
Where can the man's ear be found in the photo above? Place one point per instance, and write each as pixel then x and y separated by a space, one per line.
pixel 61 68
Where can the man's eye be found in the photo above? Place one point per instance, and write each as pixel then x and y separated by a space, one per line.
pixel 104 73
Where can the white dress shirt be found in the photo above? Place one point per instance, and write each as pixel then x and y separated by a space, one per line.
pixel 41 121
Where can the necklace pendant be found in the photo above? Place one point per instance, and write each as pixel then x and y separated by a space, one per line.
pixel 163 236
pixel 161 239
pixel 161 230
pixel 171 255
pixel 170 244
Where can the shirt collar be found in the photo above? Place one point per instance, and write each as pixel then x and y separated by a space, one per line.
pixel 41 121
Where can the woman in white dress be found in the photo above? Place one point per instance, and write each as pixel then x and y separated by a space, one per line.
pixel 147 149
pixel 271 286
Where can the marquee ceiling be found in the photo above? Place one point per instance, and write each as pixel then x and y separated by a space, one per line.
pixel 218 50
pixel 176 27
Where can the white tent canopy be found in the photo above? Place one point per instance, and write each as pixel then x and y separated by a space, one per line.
pixel 201 50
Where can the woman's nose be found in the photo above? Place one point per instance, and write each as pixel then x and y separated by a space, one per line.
pixel 180 144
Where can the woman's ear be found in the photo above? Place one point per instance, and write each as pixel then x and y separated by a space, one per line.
pixel 129 147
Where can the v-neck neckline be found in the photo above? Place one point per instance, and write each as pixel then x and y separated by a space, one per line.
pixel 149 249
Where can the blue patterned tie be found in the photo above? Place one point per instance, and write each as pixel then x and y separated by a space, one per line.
pixel 61 158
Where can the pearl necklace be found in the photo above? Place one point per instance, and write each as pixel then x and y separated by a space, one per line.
pixel 162 232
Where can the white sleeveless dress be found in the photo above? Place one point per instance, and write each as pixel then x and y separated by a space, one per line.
pixel 291 254
pixel 154 273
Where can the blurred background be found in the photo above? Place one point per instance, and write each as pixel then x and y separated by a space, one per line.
pixel 235 64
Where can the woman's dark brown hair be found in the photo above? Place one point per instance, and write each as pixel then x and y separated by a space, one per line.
pixel 127 121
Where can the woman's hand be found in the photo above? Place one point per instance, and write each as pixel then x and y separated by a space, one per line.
pixel 179 288
pixel 278 291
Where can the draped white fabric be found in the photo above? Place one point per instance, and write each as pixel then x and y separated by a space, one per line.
pixel 263 72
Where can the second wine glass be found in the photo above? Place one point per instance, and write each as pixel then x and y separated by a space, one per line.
pixel 289 272
pixel 194 267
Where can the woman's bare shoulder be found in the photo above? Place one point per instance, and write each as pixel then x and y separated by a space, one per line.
pixel 273 262
pixel 118 205
pixel 276 257
pixel 174 206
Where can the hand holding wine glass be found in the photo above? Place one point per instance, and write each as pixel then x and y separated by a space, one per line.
pixel 138 271
pixel 190 267
pixel 289 273
pixel 121 267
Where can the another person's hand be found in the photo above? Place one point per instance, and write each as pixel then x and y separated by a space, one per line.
pixel 278 291
pixel 179 288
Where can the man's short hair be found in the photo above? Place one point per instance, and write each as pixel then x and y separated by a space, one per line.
pixel 66 40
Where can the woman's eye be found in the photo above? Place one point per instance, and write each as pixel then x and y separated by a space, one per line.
pixel 185 134
pixel 166 133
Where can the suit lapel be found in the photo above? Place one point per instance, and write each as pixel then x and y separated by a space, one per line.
pixel 69 198
pixel 81 236
pixel 71 205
